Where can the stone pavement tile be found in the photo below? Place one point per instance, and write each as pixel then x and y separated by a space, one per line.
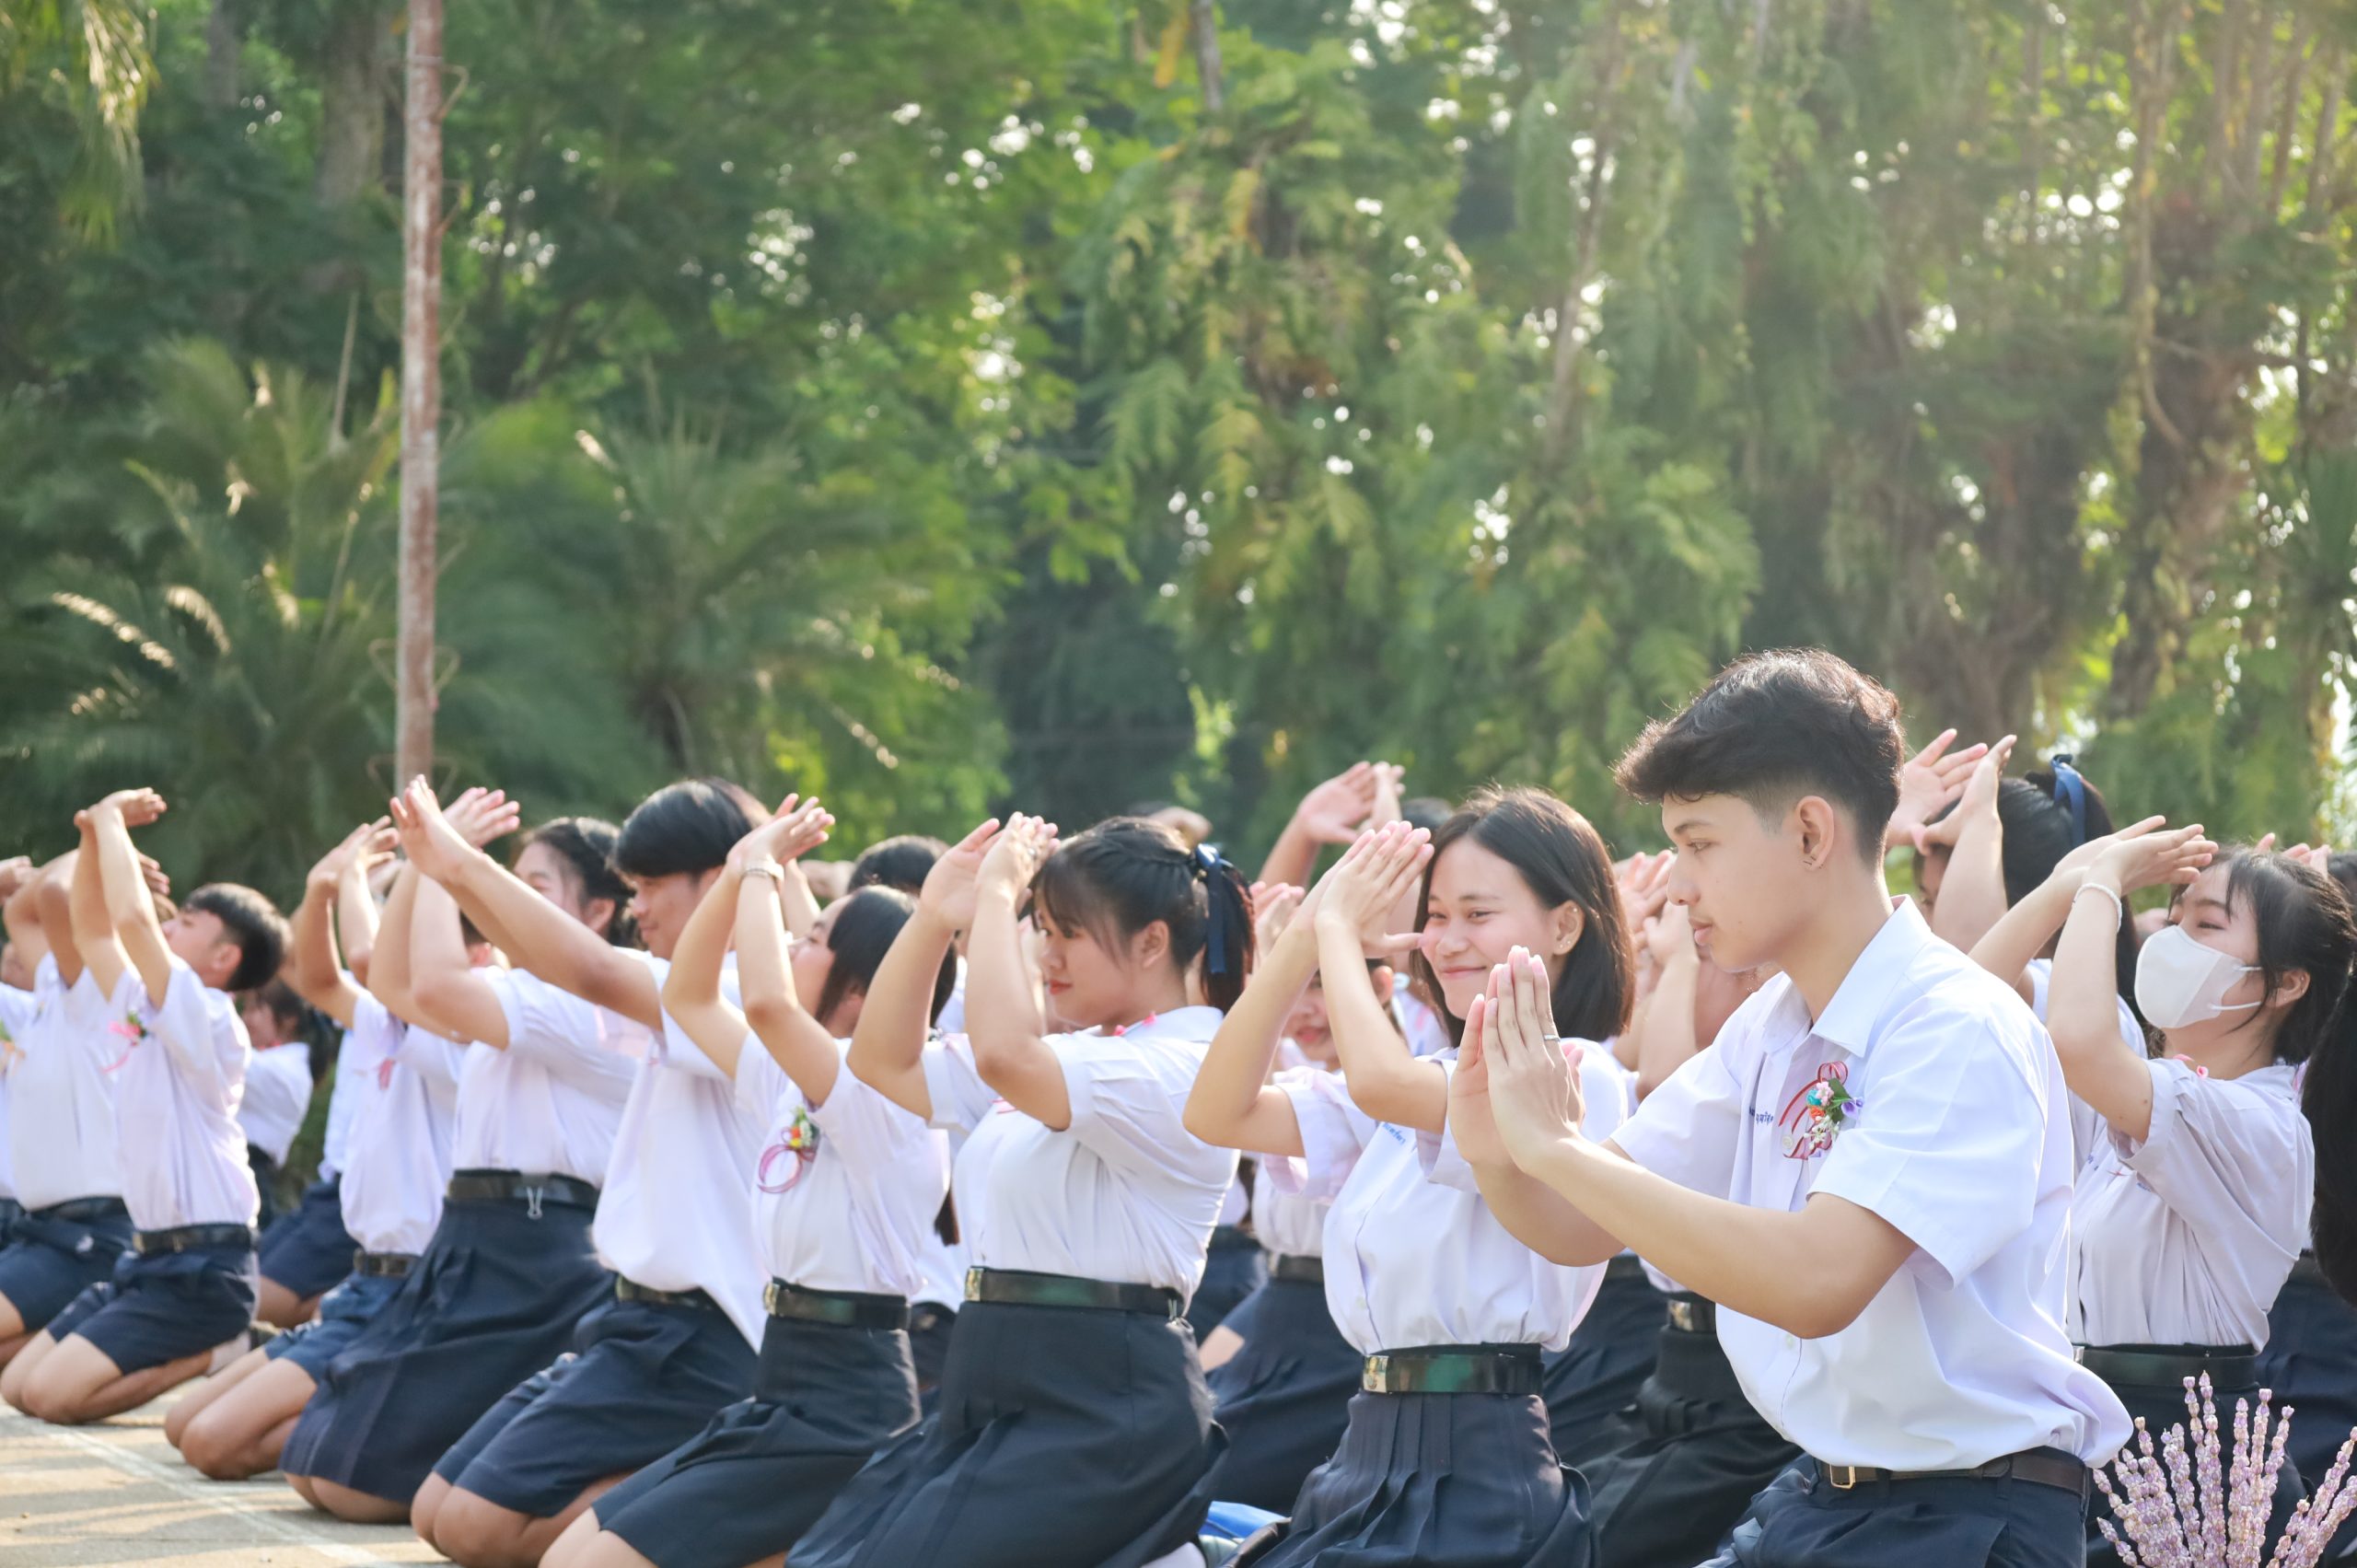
pixel 114 1495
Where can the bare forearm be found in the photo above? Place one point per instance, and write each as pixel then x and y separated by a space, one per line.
pixel 2023 932
pixel 1972 891
pixel 1291 858
pixel 1541 1218
pixel 1736 1255
pixel 356 919
pixel 1236 1068
pixel 887 1043
pixel 1665 1037
pixel 539 937
pixel 1386 1080
pixel 1011 1051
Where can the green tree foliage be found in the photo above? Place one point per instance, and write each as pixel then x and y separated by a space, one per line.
pixel 944 405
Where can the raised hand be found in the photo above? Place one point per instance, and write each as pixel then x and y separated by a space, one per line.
pixel 370 836
pixel 1385 808
pixel 1533 1083
pixel 948 891
pixel 433 845
pixel 1645 887
pixel 136 806
pixel 1928 780
pixel 794 830
pixel 1669 935
pixel 1979 800
pixel 2174 858
pixel 2081 859
pixel 1016 856
pixel 14 872
pixel 1274 906
pixel 1471 1121
pixel 1359 894
pixel 1331 813
pixel 481 815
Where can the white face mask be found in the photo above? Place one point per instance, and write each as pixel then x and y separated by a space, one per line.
pixel 2180 981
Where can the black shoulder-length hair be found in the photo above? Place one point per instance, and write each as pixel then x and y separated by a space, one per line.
pixel 1562 861
pixel 1126 873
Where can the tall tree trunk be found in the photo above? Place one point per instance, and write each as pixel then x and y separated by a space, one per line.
pixel 224 35
pixel 421 389
pixel 354 86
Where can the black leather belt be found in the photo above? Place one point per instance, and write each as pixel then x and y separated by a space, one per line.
pixel 190 1237
pixel 849 1309
pixel 2230 1367
pixel 1021 1287
pixel 516 1185
pixel 631 1290
pixel 1453 1369
pixel 2040 1466
pixel 1295 1268
pixel 1691 1313
pixel 384 1265
pixel 1232 1238
pixel 82 1211
pixel 1624 1268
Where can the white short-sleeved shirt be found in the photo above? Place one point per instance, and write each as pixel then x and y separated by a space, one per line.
pixel 1414 1255
pixel 2186 1238
pixel 1426 1035
pixel 1125 1194
pixel 61 1096
pixel 1963 1144
pixel 178 1086
pixel 354 1080
pixel 843 1196
pixel 20 1013
pixel 404 1132
pixel 278 1093
pixel 550 1102
pixel 676 1213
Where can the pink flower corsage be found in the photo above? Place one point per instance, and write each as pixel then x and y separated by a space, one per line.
pixel 1816 1115
pixel 798 1139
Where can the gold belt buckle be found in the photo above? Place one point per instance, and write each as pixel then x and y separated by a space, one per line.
pixel 1375 1376
pixel 1841 1478
pixel 974 1283
pixel 1681 1317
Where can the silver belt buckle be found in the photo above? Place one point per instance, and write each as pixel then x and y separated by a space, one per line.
pixel 974 1283
pixel 1681 1317
pixel 1841 1478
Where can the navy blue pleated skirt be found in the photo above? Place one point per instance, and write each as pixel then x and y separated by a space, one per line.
pixel 50 1259
pixel 1799 1522
pixel 1683 1465
pixel 1436 1480
pixel 307 1251
pixel 495 1298
pixel 2311 1363
pixel 1596 1378
pixel 1066 1435
pixel 748 1485
pixel 1285 1397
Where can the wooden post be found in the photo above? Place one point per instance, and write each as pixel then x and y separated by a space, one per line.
pixel 421 390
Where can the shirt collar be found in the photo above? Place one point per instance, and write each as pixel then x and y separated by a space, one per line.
pixel 1859 1001
pixel 1185 1023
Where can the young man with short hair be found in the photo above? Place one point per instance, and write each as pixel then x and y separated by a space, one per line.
pixel 186 1285
pixel 1869 1171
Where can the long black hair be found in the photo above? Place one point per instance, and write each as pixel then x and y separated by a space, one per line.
pixel 2046 814
pixel 1561 860
pixel 865 924
pixel 586 844
pixel 2306 925
pixel 1126 873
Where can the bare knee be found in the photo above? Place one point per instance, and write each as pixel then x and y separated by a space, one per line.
pixel 281 1308
pixel 352 1505
pixel 216 1448
pixel 476 1533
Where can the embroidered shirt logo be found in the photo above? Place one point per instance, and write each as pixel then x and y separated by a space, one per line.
pixel 1814 1116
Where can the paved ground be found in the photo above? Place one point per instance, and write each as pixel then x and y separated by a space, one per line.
pixel 115 1494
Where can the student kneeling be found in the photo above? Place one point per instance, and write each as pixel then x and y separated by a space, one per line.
pixel 1870 1171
